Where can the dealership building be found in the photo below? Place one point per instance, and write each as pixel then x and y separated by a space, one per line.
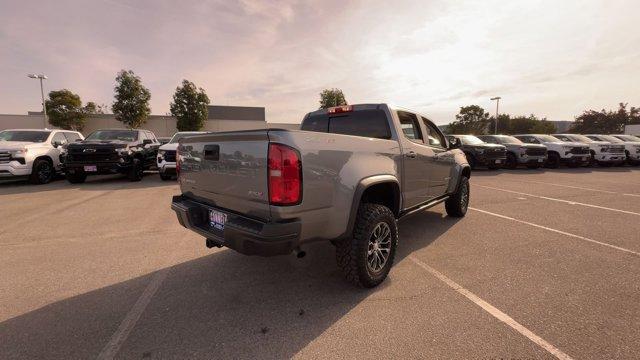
pixel 220 118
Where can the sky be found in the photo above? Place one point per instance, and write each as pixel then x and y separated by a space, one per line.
pixel 554 59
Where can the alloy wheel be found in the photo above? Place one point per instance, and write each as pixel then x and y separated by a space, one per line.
pixel 379 247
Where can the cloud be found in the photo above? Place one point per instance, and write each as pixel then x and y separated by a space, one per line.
pixel 542 57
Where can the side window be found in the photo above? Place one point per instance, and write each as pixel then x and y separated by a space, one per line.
pixel 593 137
pixel 59 139
pixel 71 136
pixel 433 135
pixel 488 139
pixel 563 138
pixel 410 126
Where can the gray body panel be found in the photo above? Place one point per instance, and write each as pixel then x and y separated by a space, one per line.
pixel 336 169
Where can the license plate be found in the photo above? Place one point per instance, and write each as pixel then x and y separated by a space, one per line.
pixel 498 161
pixel 217 219
pixel 91 168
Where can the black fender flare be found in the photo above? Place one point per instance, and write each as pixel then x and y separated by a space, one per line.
pixel 362 186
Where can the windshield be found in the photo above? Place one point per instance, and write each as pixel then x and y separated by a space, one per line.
pixel 548 138
pixel 608 138
pixel 181 135
pixel 628 138
pixel 470 140
pixel 580 138
pixel 123 135
pixel 24 135
pixel 504 139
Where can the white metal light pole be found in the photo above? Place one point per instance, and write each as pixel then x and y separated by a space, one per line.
pixel 44 105
pixel 497 99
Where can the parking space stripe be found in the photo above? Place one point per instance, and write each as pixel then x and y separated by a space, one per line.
pixel 118 338
pixel 570 186
pixel 558 231
pixel 561 200
pixel 493 311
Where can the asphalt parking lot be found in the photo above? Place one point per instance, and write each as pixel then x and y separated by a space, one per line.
pixel 546 263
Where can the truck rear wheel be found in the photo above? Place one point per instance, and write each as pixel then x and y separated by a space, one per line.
pixel 458 203
pixel 366 259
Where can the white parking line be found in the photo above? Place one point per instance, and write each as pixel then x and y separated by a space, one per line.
pixel 558 231
pixel 562 200
pixel 118 338
pixel 572 187
pixel 493 311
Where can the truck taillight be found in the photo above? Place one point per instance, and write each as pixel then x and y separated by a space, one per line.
pixel 285 175
pixel 340 109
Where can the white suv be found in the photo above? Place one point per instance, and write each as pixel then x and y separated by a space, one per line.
pixel 166 160
pixel 559 152
pixel 603 153
pixel 631 145
pixel 33 153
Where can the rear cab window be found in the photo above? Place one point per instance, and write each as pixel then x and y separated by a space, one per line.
pixel 370 123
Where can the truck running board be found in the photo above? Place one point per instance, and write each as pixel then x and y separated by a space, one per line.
pixel 424 206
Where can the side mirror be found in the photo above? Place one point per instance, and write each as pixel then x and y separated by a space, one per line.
pixel 147 142
pixel 454 143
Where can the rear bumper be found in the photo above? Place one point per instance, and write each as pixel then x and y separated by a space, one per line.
pixel 166 167
pixel 244 235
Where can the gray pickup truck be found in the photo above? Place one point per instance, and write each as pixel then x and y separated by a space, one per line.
pixel 347 176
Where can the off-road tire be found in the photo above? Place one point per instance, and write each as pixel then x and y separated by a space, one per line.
pixel 136 172
pixel 458 203
pixel 553 161
pixel 76 178
pixel 42 172
pixel 351 254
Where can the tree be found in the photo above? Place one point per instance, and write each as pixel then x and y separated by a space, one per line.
pixel 93 108
pixel 471 119
pixel 522 125
pixel 64 110
pixel 131 105
pixel 331 97
pixel 606 122
pixel 189 106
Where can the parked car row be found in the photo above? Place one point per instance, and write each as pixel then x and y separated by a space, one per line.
pixel 537 150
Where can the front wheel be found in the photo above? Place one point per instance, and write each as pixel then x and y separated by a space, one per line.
pixel 42 172
pixel 511 162
pixel 366 259
pixel 136 171
pixel 553 161
pixel 458 203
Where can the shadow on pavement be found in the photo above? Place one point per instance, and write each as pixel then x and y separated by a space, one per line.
pixel 100 182
pixel 224 305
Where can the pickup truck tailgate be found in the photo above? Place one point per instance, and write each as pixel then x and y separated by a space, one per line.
pixel 228 170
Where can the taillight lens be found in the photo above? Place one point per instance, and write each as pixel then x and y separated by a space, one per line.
pixel 285 175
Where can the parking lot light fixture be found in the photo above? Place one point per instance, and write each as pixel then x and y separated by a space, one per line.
pixel 44 105
pixel 497 99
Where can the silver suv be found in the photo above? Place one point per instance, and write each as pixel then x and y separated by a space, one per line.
pixel 34 153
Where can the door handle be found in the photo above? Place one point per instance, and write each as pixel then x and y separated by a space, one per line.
pixel 411 154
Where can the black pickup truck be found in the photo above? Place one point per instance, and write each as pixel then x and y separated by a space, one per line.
pixel 111 151
pixel 480 153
